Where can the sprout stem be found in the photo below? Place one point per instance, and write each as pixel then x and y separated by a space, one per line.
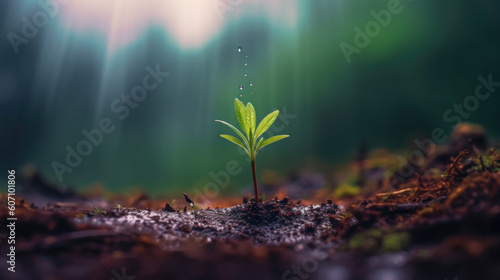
pixel 256 190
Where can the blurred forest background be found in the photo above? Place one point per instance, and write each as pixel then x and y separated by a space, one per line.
pixel 85 55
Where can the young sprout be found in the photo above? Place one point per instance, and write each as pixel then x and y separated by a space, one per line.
pixel 252 141
pixel 96 210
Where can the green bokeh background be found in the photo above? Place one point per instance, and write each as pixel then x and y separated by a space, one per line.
pixel 395 90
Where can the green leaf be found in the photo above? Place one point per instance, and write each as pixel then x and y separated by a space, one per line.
pixel 236 131
pixel 266 123
pixel 239 108
pixel 257 146
pixel 250 120
pixel 270 141
pixel 234 140
pixel 253 141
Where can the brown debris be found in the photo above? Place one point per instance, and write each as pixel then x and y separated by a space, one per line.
pixel 168 208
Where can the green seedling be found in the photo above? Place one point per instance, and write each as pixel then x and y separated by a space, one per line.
pixel 96 210
pixel 347 190
pixel 252 141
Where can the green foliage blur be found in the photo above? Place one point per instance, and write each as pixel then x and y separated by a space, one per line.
pixel 395 89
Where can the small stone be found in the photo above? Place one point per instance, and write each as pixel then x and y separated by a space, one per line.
pixel 468 136
pixel 285 201
pixel 168 208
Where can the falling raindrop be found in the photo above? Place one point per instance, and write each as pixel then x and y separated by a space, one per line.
pixel 251 84
pixel 241 87
pixel 239 49
pixel 245 63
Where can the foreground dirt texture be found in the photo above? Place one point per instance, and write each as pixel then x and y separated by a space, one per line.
pixel 272 223
pixel 439 223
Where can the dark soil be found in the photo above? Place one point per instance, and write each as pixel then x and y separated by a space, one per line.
pixel 269 223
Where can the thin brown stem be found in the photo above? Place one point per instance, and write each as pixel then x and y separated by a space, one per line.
pixel 454 163
pixel 396 192
pixel 255 188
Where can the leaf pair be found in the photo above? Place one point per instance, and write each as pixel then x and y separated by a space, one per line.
pixel 247 119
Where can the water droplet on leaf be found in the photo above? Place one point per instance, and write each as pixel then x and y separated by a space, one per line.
pixel 241 87
pixel 239 49
pixel 251 84
pixel 246 63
